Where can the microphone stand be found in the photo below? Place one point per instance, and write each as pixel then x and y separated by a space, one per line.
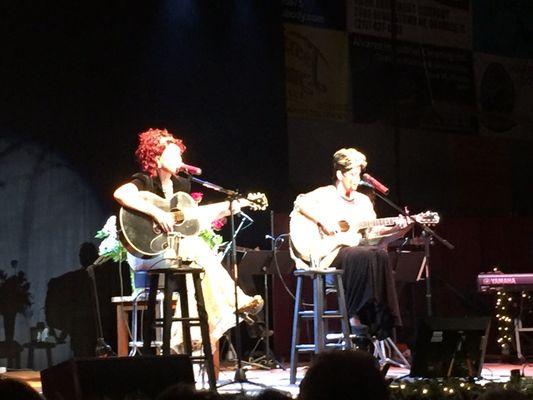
pixel 232 196
pixel 428 234
pixel 269 359
pixel 102 349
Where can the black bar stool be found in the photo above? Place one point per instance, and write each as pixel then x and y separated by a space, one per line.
pixel 175 280
pixel 319 314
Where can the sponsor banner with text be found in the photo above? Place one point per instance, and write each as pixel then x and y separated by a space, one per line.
pixel 439 22
pixel 427 87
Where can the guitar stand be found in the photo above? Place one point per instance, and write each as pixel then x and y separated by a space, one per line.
pixel 382 349
pixel 231 349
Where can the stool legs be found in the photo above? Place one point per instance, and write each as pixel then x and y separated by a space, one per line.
pixel 345 323
pixel 295 329
pixel 167 316
pixel 318 312
pixel 148 325
pixel 204 328
pixel 175 279
pixel 184 307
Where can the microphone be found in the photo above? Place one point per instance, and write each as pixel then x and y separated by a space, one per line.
pixel 191 169
pixel 380 187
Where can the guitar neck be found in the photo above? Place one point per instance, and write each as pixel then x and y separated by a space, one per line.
pixel 377 222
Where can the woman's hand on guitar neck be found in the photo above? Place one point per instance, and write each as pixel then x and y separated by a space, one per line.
pixel 401 226
pixel 403 222
pixel 164 219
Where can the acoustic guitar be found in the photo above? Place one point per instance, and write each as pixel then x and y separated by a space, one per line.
pixel 310 242
pixel 144 238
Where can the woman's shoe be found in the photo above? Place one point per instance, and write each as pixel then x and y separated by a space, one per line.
pixel 360 330
pixel 361 337
pixel 253 307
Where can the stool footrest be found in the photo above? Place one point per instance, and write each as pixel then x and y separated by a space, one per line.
pixel 180 319
pixel 161 324
pixel 314 272
pixel 140 343
pixel 307 348
pixel 197 358
pixel 327 314
pixel 338 336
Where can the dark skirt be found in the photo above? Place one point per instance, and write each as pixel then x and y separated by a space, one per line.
pixel 370 289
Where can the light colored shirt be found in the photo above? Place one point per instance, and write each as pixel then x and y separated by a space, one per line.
pixel 335 207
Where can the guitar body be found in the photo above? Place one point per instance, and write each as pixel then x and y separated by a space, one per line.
pixel 142 236
pixel 311 243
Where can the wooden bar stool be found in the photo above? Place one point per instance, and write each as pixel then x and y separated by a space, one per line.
pixel 175 280
pixel 319 314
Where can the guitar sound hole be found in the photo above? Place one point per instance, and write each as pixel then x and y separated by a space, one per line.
pixel 344 226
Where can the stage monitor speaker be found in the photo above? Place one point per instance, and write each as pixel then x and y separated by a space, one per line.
pixel 450 347
pixel 115 377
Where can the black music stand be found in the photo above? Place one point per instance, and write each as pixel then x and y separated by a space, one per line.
pixel 260 262
pixel 408 266
pixel 428 235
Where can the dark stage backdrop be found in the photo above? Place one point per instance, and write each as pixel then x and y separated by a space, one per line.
pixel 81 80
pixel 85 79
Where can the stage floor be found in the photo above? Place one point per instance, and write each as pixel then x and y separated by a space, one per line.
pixel 279 378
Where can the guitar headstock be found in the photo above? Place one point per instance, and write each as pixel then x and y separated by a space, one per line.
pixel 428 218
pixel 257 201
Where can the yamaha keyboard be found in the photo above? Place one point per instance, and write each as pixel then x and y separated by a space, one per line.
pixel 510 282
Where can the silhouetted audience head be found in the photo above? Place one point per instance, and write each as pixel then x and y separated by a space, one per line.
pixel 343 375
pixel 88 254
pixel 11 388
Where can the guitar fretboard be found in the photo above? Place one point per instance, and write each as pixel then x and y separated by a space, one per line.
pixel 377 222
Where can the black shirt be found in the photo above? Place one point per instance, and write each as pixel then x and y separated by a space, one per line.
pixel 146 182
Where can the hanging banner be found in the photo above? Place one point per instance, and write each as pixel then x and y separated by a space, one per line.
pixel 438 22
pixel 316 65
pixel 430 88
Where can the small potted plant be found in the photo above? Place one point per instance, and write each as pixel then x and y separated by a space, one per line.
pixel 15 298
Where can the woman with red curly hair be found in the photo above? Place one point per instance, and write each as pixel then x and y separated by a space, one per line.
pixel 160 156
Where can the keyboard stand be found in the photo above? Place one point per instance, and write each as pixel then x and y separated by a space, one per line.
pixel 519 328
